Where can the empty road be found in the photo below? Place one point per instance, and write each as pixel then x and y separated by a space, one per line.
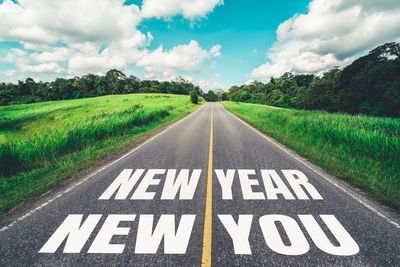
pixel 209 189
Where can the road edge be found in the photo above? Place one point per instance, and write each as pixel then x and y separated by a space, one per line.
pixel 387 213
pixel 34 204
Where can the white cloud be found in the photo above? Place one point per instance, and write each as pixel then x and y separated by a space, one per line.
pixel 74 37
pixel 189 9
pixel 207 85
pixel 215 51
pixel 86 35
pixel 332 33
pixel 55 54
pixel 90 56
pixel 43 68
pixel 14 54
pixel 163 64
pixel 71 21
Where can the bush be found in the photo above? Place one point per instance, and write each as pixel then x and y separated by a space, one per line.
pixel 194 97
pixel 8 159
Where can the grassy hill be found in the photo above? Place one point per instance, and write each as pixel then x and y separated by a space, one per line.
pixel 361 149
pixel 42 144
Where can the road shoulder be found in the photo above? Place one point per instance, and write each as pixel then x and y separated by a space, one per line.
pixel 391 215
pixel 35 203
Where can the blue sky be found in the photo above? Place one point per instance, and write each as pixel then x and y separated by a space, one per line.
pixel 245 32
pixel 212 43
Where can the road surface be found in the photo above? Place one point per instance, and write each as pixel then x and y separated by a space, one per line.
pixel 246 201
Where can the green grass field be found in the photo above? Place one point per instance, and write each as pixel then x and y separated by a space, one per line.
pixel 42 144
pixel 360 149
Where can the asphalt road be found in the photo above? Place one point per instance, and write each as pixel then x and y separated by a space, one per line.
pixel 272 231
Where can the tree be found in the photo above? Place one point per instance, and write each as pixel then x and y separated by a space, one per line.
pixel 115 80
pixel 194 97
pixel 211 96
pixel 223 96
pixel 62 89
pixel 370 85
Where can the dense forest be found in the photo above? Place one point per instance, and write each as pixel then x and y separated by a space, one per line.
pixel 114 82
pixel 370 85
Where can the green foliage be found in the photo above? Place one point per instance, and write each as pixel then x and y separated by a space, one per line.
pixel 223 96
pixel 194 97
pixel 211 96
pixel 90 85
pixel 370 85
pixel 364 150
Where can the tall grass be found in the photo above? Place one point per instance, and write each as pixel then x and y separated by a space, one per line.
pixel 364 150
pixel 44 143
pixel 29 153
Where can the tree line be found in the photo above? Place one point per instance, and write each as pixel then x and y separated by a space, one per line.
pixel 370 85
pixel 90 85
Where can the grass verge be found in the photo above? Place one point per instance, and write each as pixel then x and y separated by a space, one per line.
pixel 55 140
pixel 363 150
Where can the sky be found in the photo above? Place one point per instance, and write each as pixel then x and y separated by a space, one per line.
pixel 213 43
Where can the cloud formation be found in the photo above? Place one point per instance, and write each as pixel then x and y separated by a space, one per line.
pixel 164 64
pixel 207 85
pixel 74 37
pixel 331 34
pixel 71 21
pixel 189 9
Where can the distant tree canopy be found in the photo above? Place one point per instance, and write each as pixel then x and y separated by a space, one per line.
pixel 370 85
pixel 211 96
pixel 90 85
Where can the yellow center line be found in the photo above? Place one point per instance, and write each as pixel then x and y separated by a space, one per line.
pixel 207 234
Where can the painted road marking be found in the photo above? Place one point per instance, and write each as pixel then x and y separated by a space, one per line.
pixel 207 234
pixel 74 233
pixel 274 185
pixel 264 184
pixel 240 232
pixel 184 182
